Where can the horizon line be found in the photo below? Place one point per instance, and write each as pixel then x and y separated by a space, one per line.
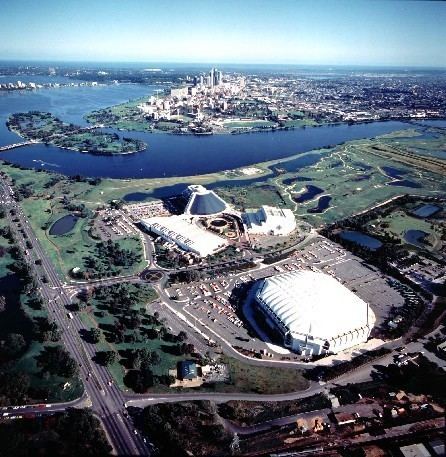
pixel 176 62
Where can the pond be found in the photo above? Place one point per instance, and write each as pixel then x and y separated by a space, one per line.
pixel 393 172
pixel 415 237
pixel 361 239
pixel 63 225
pixel 309 194
pixel 289 181
pixel 137 196
pixel 322 204
pixel 426 210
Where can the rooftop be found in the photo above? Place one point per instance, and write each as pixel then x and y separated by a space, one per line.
pixel 203 202
pixel 187 369
pixel 313 303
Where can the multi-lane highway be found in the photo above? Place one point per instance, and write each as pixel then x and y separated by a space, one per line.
pixel 106 399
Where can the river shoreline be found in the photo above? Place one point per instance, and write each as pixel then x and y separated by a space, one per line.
pixel 54 131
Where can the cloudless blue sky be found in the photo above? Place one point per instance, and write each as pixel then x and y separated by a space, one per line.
pixel 373 32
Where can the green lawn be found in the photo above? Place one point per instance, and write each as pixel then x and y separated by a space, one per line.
pixel 70 250
pixel 398 222
pixel 248 124
pixel 53 384
pixel 17 318
pixel 262 379
pixel 300 123
pixel 252 196
pixel 91 318
pixel 5 258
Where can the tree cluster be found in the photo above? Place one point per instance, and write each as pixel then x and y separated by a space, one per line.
pixel 187 428
pixel 72 433
pixel 57 361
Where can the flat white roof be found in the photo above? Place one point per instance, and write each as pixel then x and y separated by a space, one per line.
pixel 186 234
pixel 270 219
pixel 311 303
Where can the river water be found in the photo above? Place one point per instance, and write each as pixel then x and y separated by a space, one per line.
pixel 166 155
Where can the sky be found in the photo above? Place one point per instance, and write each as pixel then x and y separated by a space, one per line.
pixel 338 32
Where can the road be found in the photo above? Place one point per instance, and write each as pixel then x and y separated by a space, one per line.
pixel 107 401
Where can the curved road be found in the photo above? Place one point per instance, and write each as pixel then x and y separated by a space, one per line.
pixel 104 397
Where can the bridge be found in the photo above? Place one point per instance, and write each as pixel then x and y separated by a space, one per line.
pixel 17 145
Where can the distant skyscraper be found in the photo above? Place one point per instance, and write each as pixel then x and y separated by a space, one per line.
pixel 215 77
pixel 212 77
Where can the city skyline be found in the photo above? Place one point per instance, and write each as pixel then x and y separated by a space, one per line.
pixel 321 33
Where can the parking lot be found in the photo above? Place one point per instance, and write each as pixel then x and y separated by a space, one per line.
pixel 138 211
pixel 213 303
pixel 113 224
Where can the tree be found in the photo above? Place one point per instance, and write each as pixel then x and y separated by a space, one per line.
pixel 139 380
pixel 95 335
pixel 13 345
pixel 56 360
pixel 13 388
pixel 107 357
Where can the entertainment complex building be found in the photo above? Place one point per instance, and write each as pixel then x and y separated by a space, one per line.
pixel 203 202
pixel 313 312
pixel 186 235
pixel 269 220
pixel 208 225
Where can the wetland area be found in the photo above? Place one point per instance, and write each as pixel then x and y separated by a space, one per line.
pixel 321 173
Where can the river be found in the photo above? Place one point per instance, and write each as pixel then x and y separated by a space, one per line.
pixel 166 155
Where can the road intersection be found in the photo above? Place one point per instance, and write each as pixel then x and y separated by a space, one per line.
pixel 104 397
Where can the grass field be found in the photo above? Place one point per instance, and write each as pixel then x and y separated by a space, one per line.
pixel 92 317
pixel 53 384
pixel 70 250
pixel 349 174
pixel 399 221
pixel 261 379
pixel 248 124
pixel 253 196
pixel 300 123
pixel 45 207
pixel 5 258
pixel 17 318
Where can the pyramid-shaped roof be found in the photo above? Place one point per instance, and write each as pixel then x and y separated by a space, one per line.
pixel 203 202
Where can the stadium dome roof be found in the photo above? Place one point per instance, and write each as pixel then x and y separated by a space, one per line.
pixel 316 304
pixel 203 202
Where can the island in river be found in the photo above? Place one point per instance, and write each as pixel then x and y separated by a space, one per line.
pixel 46 128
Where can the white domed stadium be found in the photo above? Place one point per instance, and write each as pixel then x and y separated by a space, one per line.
pixel 313 312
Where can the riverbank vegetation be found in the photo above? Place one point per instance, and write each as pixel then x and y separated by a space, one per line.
pixel 46 128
